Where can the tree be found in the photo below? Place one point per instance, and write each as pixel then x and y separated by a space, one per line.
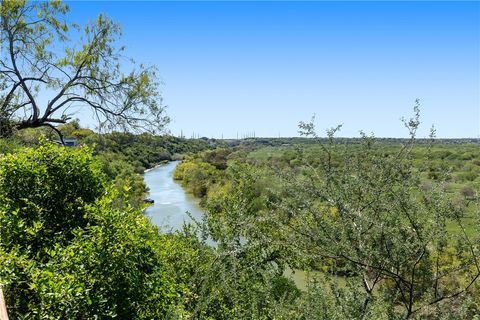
pixel 363 213
pixel 39 56
pixel 46 188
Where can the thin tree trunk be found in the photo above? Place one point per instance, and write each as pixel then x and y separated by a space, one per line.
pixel 3 307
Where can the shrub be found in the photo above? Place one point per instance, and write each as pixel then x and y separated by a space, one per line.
pixel 467 192
pixel 46 189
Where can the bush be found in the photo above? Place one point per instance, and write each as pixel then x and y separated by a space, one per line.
pixel 46 189
pixel 466 176
pixel 196 176
pixel 467 192
pixel 68 252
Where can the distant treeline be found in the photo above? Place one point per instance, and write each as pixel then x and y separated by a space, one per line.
pixel 306 141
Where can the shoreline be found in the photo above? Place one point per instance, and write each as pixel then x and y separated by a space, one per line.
pixel 160 164
pixel 156 166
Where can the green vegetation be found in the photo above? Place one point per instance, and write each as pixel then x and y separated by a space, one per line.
pixel 389 230
pixel 123 156
pixel 385 230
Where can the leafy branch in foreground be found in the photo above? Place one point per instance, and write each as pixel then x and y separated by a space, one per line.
pixel 365 212
pixel 39 57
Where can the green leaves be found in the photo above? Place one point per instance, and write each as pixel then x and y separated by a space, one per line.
pixel 87 74
pixel 45 190
pixel 388 240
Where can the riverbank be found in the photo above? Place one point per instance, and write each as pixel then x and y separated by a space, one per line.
pixel 157 165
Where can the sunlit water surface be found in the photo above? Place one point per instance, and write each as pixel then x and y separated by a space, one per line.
pixel 172 203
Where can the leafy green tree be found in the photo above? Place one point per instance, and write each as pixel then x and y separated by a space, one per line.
pixel 112 268
pixel 196 176
pixel 37 56
pixel 366 212
pixel 129 185
pixel 46 189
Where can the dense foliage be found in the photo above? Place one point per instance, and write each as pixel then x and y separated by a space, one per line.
pixel 123 156
pixel 66 251
pixel 383 229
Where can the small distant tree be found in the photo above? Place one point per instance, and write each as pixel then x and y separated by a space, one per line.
pixel 38 55
pixel 468 192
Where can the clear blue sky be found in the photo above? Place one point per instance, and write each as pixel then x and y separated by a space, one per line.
pixel 231 67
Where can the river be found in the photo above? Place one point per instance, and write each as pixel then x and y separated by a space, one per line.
pixel 169 211
pixel 172 203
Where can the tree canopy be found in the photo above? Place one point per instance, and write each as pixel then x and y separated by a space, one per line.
pixel 50 69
